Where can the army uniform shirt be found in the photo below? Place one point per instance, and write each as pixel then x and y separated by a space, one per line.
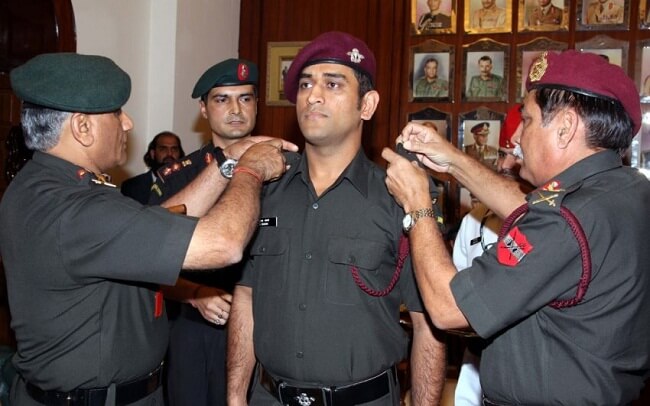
pixel 429 21
pixel 605 13
pixel 81 262
pixel 493 87
pixel 596 352
pixel 312 322
pixel 436 88
pixel 494 17
pixel 545 15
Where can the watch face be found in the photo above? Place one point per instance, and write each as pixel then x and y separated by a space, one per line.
pixel 407 222
pixel 227 168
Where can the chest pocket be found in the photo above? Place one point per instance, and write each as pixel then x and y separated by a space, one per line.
pixel 373 260
pixel 269 253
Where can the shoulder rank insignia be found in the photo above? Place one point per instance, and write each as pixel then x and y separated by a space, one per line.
pixel 548 193
pixel 173 168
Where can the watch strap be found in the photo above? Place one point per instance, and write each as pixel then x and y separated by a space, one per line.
pixel 420 213
pixel 218 155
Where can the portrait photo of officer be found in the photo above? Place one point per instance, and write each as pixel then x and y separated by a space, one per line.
pixel 544 14
pixel 431 75
pixel 433 15
pixel 603 12
pixel 487 16
pixel 481 140
pixel 485 77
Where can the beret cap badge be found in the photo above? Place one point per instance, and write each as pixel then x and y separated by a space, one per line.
pixel 539 67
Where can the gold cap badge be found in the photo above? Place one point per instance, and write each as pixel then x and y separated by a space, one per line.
pixel 539 67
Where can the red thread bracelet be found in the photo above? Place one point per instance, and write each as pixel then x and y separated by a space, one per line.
pixel 249 171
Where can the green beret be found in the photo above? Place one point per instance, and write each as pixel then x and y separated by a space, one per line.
pixel 231 72
pixel 72 82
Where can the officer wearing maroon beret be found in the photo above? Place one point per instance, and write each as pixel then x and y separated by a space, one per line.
pixel 564 295
pixel 319 302
pixel 83 262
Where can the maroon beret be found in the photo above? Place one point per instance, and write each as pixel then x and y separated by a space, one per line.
pixel 589 74
pixel 513 118
pixel 330 47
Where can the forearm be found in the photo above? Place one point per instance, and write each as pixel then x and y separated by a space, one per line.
pixel 241 354
pixel 221 235
pixel 182 291
pixel 497 192
pixel 200 194
pixel 428 362
pixel 434 271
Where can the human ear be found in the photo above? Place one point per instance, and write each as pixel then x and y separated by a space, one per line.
pixel 568 124
pixel 369 104
pixel 82 129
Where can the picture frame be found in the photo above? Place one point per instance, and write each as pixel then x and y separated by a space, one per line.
pixel 526 54
pixel 642 70
pixel 614 50
pixel 603 15
pixel 496 17
pixel 431 72
pixel 485 71
pixel 644 14
pixel 441 122
pixel 433 17
pixel 543 15
pixel 480 128
pixel 639 151
pixel 279 58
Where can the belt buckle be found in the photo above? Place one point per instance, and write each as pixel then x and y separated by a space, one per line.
pixel 305 397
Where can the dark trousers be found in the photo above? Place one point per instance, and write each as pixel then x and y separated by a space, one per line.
pixel 196 361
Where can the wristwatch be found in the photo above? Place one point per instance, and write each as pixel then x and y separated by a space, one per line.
pixel 412 217
pixel 226 165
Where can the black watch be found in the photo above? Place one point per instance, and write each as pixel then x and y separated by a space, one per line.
pixel 226 165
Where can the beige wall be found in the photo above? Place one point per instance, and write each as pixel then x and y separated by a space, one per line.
pixel 164 45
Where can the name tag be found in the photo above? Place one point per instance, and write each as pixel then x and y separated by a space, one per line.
pixel 268 222
pixel 475 241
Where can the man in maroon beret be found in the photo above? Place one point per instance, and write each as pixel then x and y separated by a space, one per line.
pixel 570 267
pixel 328 270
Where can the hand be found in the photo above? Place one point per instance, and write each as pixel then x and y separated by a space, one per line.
pixel 406 181
pixel 266 158
pixel 431 148
pixel 213 304
pixel 237 149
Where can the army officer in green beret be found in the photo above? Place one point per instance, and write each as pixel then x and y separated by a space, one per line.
pixel 82 261
pixel 196 373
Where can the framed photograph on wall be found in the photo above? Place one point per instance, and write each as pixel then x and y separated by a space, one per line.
pixel 488 16
pixel 526 54
pixel 485 71
pixel 432 72
pixel 639 152
pixel 613 50
pixel 433 17
pixel 441 122
pixel 642 70
pixel 279 58
pixel 644 14
pixel 543 15
pixel 601 15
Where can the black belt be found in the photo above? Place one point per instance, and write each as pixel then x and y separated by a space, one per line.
pixel 348 395
pixel 125 393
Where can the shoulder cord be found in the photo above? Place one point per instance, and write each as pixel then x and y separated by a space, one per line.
pixel 585 252
pixel 402 254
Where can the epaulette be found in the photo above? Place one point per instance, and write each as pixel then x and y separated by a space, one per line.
pixel 550 196
pixel 169 170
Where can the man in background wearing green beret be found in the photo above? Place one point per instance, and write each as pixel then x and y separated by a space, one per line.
pixel 82 261
pixel 227 94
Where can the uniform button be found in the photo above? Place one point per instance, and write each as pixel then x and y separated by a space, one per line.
pixel 299 354
pixel 262 249
pixel 308 255
pixel 302 306
pixel 352 259
pixel 314 206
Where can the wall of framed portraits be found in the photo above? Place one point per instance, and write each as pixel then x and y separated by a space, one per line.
pixel 455 64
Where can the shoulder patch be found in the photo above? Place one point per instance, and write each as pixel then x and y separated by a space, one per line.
pixel 513 247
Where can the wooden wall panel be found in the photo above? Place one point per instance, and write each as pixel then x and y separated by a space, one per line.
pixel 386 26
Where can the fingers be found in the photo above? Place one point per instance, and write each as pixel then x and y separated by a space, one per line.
pixel 220 317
